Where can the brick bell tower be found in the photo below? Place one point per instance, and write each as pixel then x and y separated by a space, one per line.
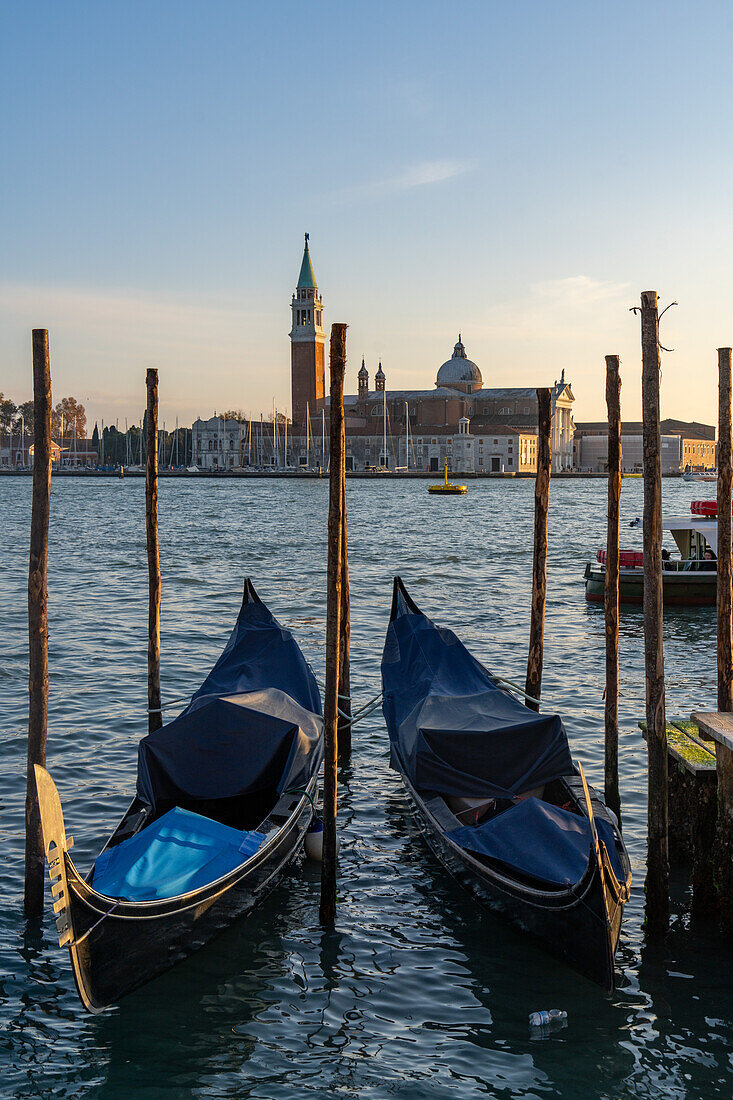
pixel 307 344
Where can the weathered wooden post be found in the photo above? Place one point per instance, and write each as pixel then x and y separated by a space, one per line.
pixel 657 876
pixel 344 724
pixel 533 685
pixel 725 569
pixel 333 617
pixel 723 848
pixel 155 720
pixel 613 402
pixel 38 621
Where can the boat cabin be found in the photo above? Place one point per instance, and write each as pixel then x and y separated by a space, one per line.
pixel 694 534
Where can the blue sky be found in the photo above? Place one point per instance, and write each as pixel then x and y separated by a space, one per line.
pixel 518 171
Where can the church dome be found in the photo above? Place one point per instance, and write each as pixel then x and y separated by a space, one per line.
pixel 459 372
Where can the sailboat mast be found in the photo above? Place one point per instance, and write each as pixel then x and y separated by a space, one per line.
pixel 285 443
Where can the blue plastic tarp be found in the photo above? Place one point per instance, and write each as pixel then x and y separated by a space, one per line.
pixel 179 852
pixel 540 840
pixel 453 730
pixel 254 724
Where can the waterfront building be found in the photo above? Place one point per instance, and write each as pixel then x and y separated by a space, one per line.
pixel 418 429
pixel 16 452
pixel 224 443
pixel 683 445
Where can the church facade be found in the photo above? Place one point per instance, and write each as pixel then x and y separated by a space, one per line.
pixel 474 428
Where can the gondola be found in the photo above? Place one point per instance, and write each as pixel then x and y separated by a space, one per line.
pixel 225 794
pixel 497 797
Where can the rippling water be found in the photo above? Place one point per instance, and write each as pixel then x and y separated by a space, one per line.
pixel 417 993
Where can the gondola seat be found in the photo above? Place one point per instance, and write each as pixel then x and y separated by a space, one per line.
pixel 543 842
pixel 179 852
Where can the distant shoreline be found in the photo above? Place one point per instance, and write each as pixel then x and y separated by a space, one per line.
pixel 301 475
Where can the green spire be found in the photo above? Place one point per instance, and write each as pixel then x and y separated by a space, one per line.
pixel 307 276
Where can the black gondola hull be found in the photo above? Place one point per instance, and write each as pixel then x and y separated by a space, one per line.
pixel 116 953
pixel 579 926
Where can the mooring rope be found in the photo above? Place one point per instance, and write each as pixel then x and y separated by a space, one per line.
pixel 351 719
pixel 514 687
pixel 365 711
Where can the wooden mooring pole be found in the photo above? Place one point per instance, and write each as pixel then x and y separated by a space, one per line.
pixel 613 401
pixel 336 527
pixel 723 847
pixel 155 720
pixel 725 573
pixel 344 724
pixel 657 875
pixel 533 684
pixel 38 621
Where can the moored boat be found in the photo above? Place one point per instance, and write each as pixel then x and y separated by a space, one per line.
pixel 700 475
pixel 225 794
pixel 688 579
pixel 497 797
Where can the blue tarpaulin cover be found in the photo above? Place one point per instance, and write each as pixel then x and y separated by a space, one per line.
pixel 254 724
pixel 540 840
pixel 453 729
pixel 177 853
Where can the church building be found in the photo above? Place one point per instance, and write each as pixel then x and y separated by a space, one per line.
pixel 477 429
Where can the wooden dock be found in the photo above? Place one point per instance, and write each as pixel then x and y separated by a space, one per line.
pixel 693 804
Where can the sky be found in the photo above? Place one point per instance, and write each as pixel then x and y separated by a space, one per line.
pixel 517 171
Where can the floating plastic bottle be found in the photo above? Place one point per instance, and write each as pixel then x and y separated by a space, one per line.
pixel 548 1019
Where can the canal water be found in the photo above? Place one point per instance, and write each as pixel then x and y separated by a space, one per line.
pixel 417 992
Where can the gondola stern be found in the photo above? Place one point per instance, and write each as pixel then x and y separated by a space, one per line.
pixel 402 602
pixel 249 595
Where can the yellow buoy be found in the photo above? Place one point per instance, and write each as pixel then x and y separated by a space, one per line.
pixel 447 489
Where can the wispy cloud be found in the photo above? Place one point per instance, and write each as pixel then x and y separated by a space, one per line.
pixel 558 309
pixel 423 174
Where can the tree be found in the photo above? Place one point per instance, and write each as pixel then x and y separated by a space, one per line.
pixel 69 417
pixel 8 410
pixel 95 439
pixel 26 411
pixel 235 414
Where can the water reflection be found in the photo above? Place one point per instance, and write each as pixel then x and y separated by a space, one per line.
pixel 416 992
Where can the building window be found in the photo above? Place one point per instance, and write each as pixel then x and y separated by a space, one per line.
pixel 526 410
pixel 509 461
